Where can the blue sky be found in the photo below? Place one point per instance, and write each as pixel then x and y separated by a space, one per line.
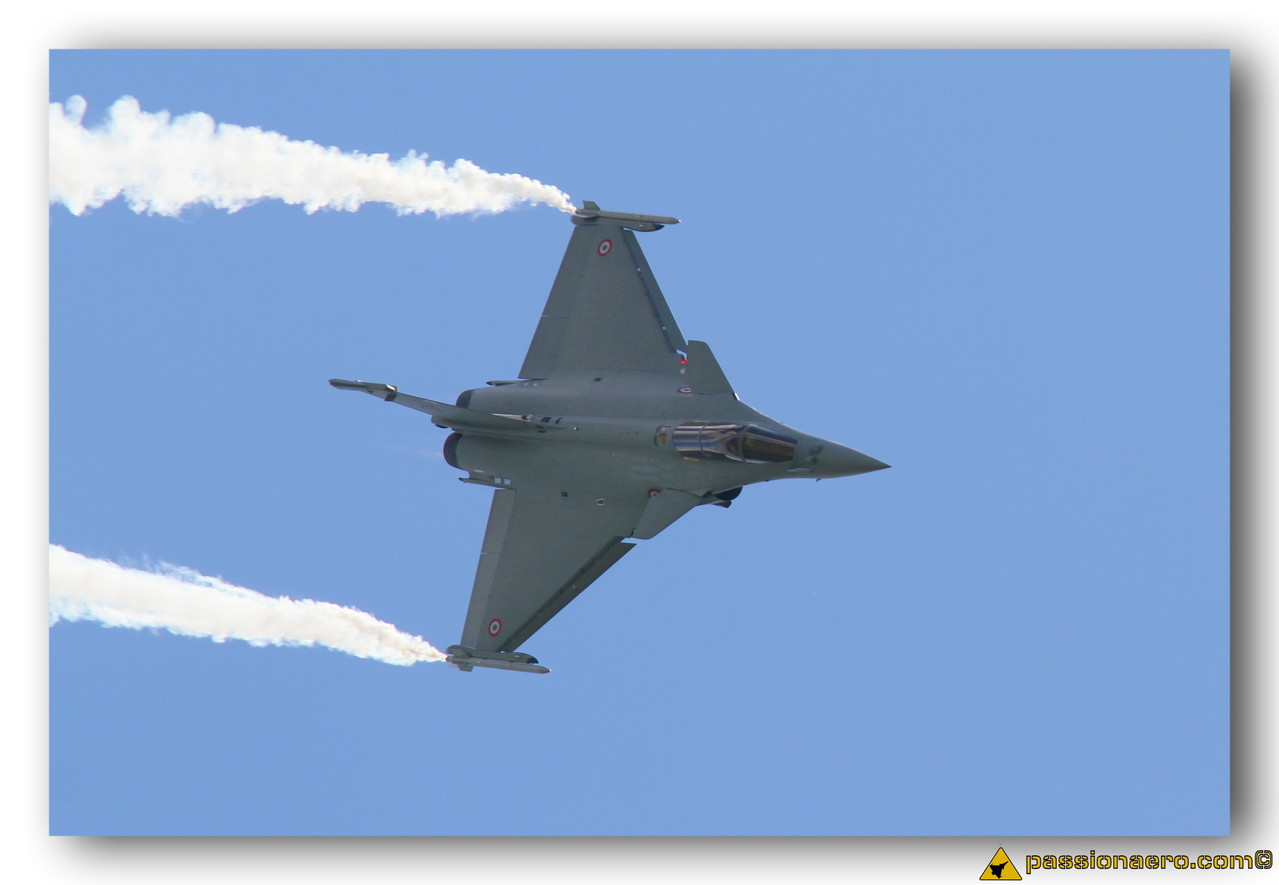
pixel 1004 273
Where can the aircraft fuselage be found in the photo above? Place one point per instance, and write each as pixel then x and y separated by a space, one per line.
pixel 636 427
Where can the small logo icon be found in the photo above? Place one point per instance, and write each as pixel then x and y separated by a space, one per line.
pixel 1000 869
pixel 495 627
pixel 605 247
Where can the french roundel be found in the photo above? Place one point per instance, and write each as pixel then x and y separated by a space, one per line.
pixel 605 247
pixel 495 627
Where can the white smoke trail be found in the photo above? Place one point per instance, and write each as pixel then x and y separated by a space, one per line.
pixel 191 604
pixel 162 164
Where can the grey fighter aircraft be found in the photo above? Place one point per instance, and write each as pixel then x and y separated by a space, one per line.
pixel 615 429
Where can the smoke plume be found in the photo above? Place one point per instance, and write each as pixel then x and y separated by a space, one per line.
pixel 161 164
pixel 188 603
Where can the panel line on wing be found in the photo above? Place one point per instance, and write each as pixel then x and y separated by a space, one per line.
pixel 656 300
pixel 600 563
pixel 605 311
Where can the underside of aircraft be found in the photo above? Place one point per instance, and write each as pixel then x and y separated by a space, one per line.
pixel 615 428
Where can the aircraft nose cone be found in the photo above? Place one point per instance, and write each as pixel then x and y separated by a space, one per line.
pixel 837 460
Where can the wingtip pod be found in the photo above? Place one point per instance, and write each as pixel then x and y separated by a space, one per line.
pixel 466 658
pixel 468 664
pixel 591 212
pixel 388 392
pixel 366 386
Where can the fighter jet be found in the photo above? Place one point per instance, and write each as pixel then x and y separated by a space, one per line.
pixel 615 428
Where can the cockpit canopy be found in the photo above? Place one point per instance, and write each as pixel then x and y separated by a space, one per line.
pixel 732 442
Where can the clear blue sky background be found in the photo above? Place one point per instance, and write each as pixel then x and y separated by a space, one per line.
pixel 1004 273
